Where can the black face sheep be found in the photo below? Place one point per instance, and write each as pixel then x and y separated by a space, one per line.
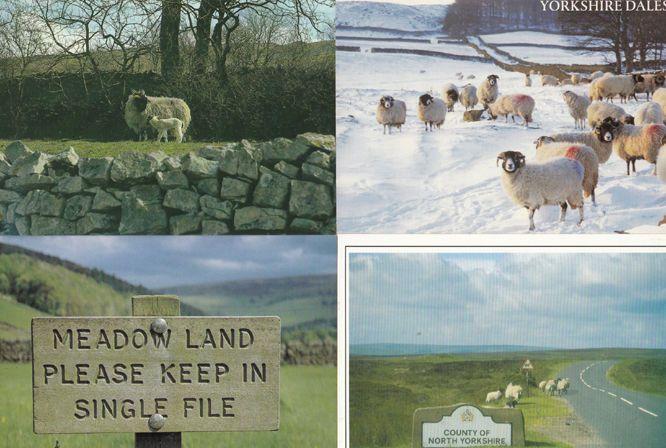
pixel 450 94
pixel 649 113
pixel 164 125
pixel 517 104
pixel 577 105
pixel 584 154
pixel 639 143
pixel 140 107
pixel 598 111
pixel 391 113
pixel 555 182
pixel 488 90
pixel 623 86
pixel 431 111
pixel 468 97
pixel 651 82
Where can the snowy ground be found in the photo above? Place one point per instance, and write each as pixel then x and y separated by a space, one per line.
pixel 557 55
pixel 533 37
pixel 457 49
pixel 447 181
pixel 390 15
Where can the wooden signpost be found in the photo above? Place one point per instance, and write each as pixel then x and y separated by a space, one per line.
pixel 155 374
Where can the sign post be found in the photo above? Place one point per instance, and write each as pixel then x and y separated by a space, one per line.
pixel 155 374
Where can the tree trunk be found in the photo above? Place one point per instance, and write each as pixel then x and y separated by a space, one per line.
pixel 169 34
pixel 202 37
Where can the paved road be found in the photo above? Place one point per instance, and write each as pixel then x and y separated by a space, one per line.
pixel 621 417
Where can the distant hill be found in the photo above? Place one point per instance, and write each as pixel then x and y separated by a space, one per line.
pixel 389 16
pixel 417 349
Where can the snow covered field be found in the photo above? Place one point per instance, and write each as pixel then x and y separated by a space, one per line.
pixel 457 49
pixel 557 55
pixel 516 37
pixel 447 181
pixel 389 15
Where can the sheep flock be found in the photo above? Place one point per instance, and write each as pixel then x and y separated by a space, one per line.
pixel 566 168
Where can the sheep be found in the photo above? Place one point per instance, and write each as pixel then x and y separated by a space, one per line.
pixel 598 111
pixel 431 111
pixel 555 182
pixel 661 164
pixel 659 97
pixel 621 85
pixel 164 125
pixel 493 396
pixel 542 385
pixel 600 139
pixel 578 105
pixel 451 95
pixel 551 387
pixel 517 104
pixel 563 386
pixel 513 393
pixel 468 97
pixel 549 80
pixel 639 142
pixel 489 90
pixel 649 113
pixel 575 78
pixel 582 153
pixel 596 75
pixel 650 83
pixel 528 80
pixel 140 107
pixel 391 113
pixel 565 82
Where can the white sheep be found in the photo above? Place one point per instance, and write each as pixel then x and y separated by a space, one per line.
pixel 598 111
pixel 468 97
pixel 528 80
pixel 516 104
pixel 391 113
pixel 513 393
pixel 451 95
pixel 659 97
pixel 649 113
pixel 651 82
pixel 563 386
pixel 140 107
pixel 555 182
pixel 596 75
pixel 493 396
pixel 164 125
pixel 551 387
pixel 488 90
pixel 549 80
pixel 582 153
pixel 575 78
pixel 639 143
pixel 623 86
pixel 542 385
pixel 431 111
pixel 577 105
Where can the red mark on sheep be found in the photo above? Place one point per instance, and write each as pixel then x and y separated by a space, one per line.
pixel 521 98
pixel 655 129
pixel 572 152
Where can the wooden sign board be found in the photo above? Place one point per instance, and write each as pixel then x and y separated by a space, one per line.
pixel 93 375
pixel 466 425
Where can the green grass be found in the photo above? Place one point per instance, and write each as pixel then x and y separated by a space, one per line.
pixel 15 318
pixel 89 148
pixel 644 375
pixel 307 416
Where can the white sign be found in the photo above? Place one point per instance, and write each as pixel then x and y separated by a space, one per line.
pixel 467 426
pixel 527 365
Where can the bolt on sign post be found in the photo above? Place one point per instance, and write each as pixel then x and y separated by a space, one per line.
pixel 155 374
pixel 527 368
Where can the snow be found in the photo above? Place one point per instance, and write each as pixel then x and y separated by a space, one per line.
pixel 447 181
pixel 491 51
pixel 457 49
pixel 517 37
pixel 390 16
pixel 557 55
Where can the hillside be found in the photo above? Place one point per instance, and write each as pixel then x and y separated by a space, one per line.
pixel 389 16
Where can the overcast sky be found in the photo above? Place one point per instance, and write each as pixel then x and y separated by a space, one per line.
pixel 545 300
pixel 169 261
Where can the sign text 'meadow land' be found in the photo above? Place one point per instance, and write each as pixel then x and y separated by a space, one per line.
pixel 112 374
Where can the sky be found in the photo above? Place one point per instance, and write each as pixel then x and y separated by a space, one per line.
pixel 158 262
pixel 541 300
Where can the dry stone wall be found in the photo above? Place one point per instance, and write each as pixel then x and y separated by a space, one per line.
pixel 278 186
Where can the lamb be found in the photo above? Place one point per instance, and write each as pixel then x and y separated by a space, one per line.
pixel 549 80
pixel 164 125
pixel 468 97
pixel 431 111
pixel 659 97
pixel 582 153
pixel 563 386
pixel 517 104
pixel 528 80
pixel 621 85
pixel 598 111
pixel 649 113
pixel 555 182
pixel 639 142
pixel 551 387
pixel 575 78
pixel 493 396
pixel 140 107
pixel 391 113
pixel 577 107
pixel 450 94
pixel 600 139
pixel 489 90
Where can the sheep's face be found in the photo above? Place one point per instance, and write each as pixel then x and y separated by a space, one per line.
pixel 628 119
pixel 492 79
pixel 386 101
pixel 659 79
pixel 544 139
pixel 138 100
pixel 511 160
pixel 637 78
pixel 607 130
pixel 426 99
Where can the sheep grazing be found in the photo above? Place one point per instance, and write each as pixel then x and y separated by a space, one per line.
pixel 451 95
pixel 468 97
pixel 639 143
pixel 431 111
pixel 140 107
pixel 649 113
pixel 513 393
pixel 659 97
pixel 577 105
pixel 551 387
pixel 598 111
pixel 576 78
pixel 600 139
pixel 582 153
pixel 555 182
pixel 493 396
pixel 542 385
pixel 549 80
pixel 528 80
pixel 517 104
pixel 651 82
pixel 563 386
pixel 489 90
pixel 608 87
pixel 391 113
pixel 164 125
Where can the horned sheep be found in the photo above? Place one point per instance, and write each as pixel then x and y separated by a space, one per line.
pixel 598 111
pixel 600 139
pixel 577 105
pixel 468 97
pixel 651 82
pixel 391 113
pixel 617 85
pixel 516 104
pixel 488 90
pixel 639 143
pixel 431 111
pixel 140 107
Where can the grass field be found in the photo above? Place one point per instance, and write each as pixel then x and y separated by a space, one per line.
pixel 89 148
pixel 643 375
pixel 307 416
pixel 15 318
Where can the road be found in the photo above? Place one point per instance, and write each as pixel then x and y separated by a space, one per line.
pixel 621 417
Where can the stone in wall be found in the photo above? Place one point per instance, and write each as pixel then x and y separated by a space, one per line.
pixel 279 186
